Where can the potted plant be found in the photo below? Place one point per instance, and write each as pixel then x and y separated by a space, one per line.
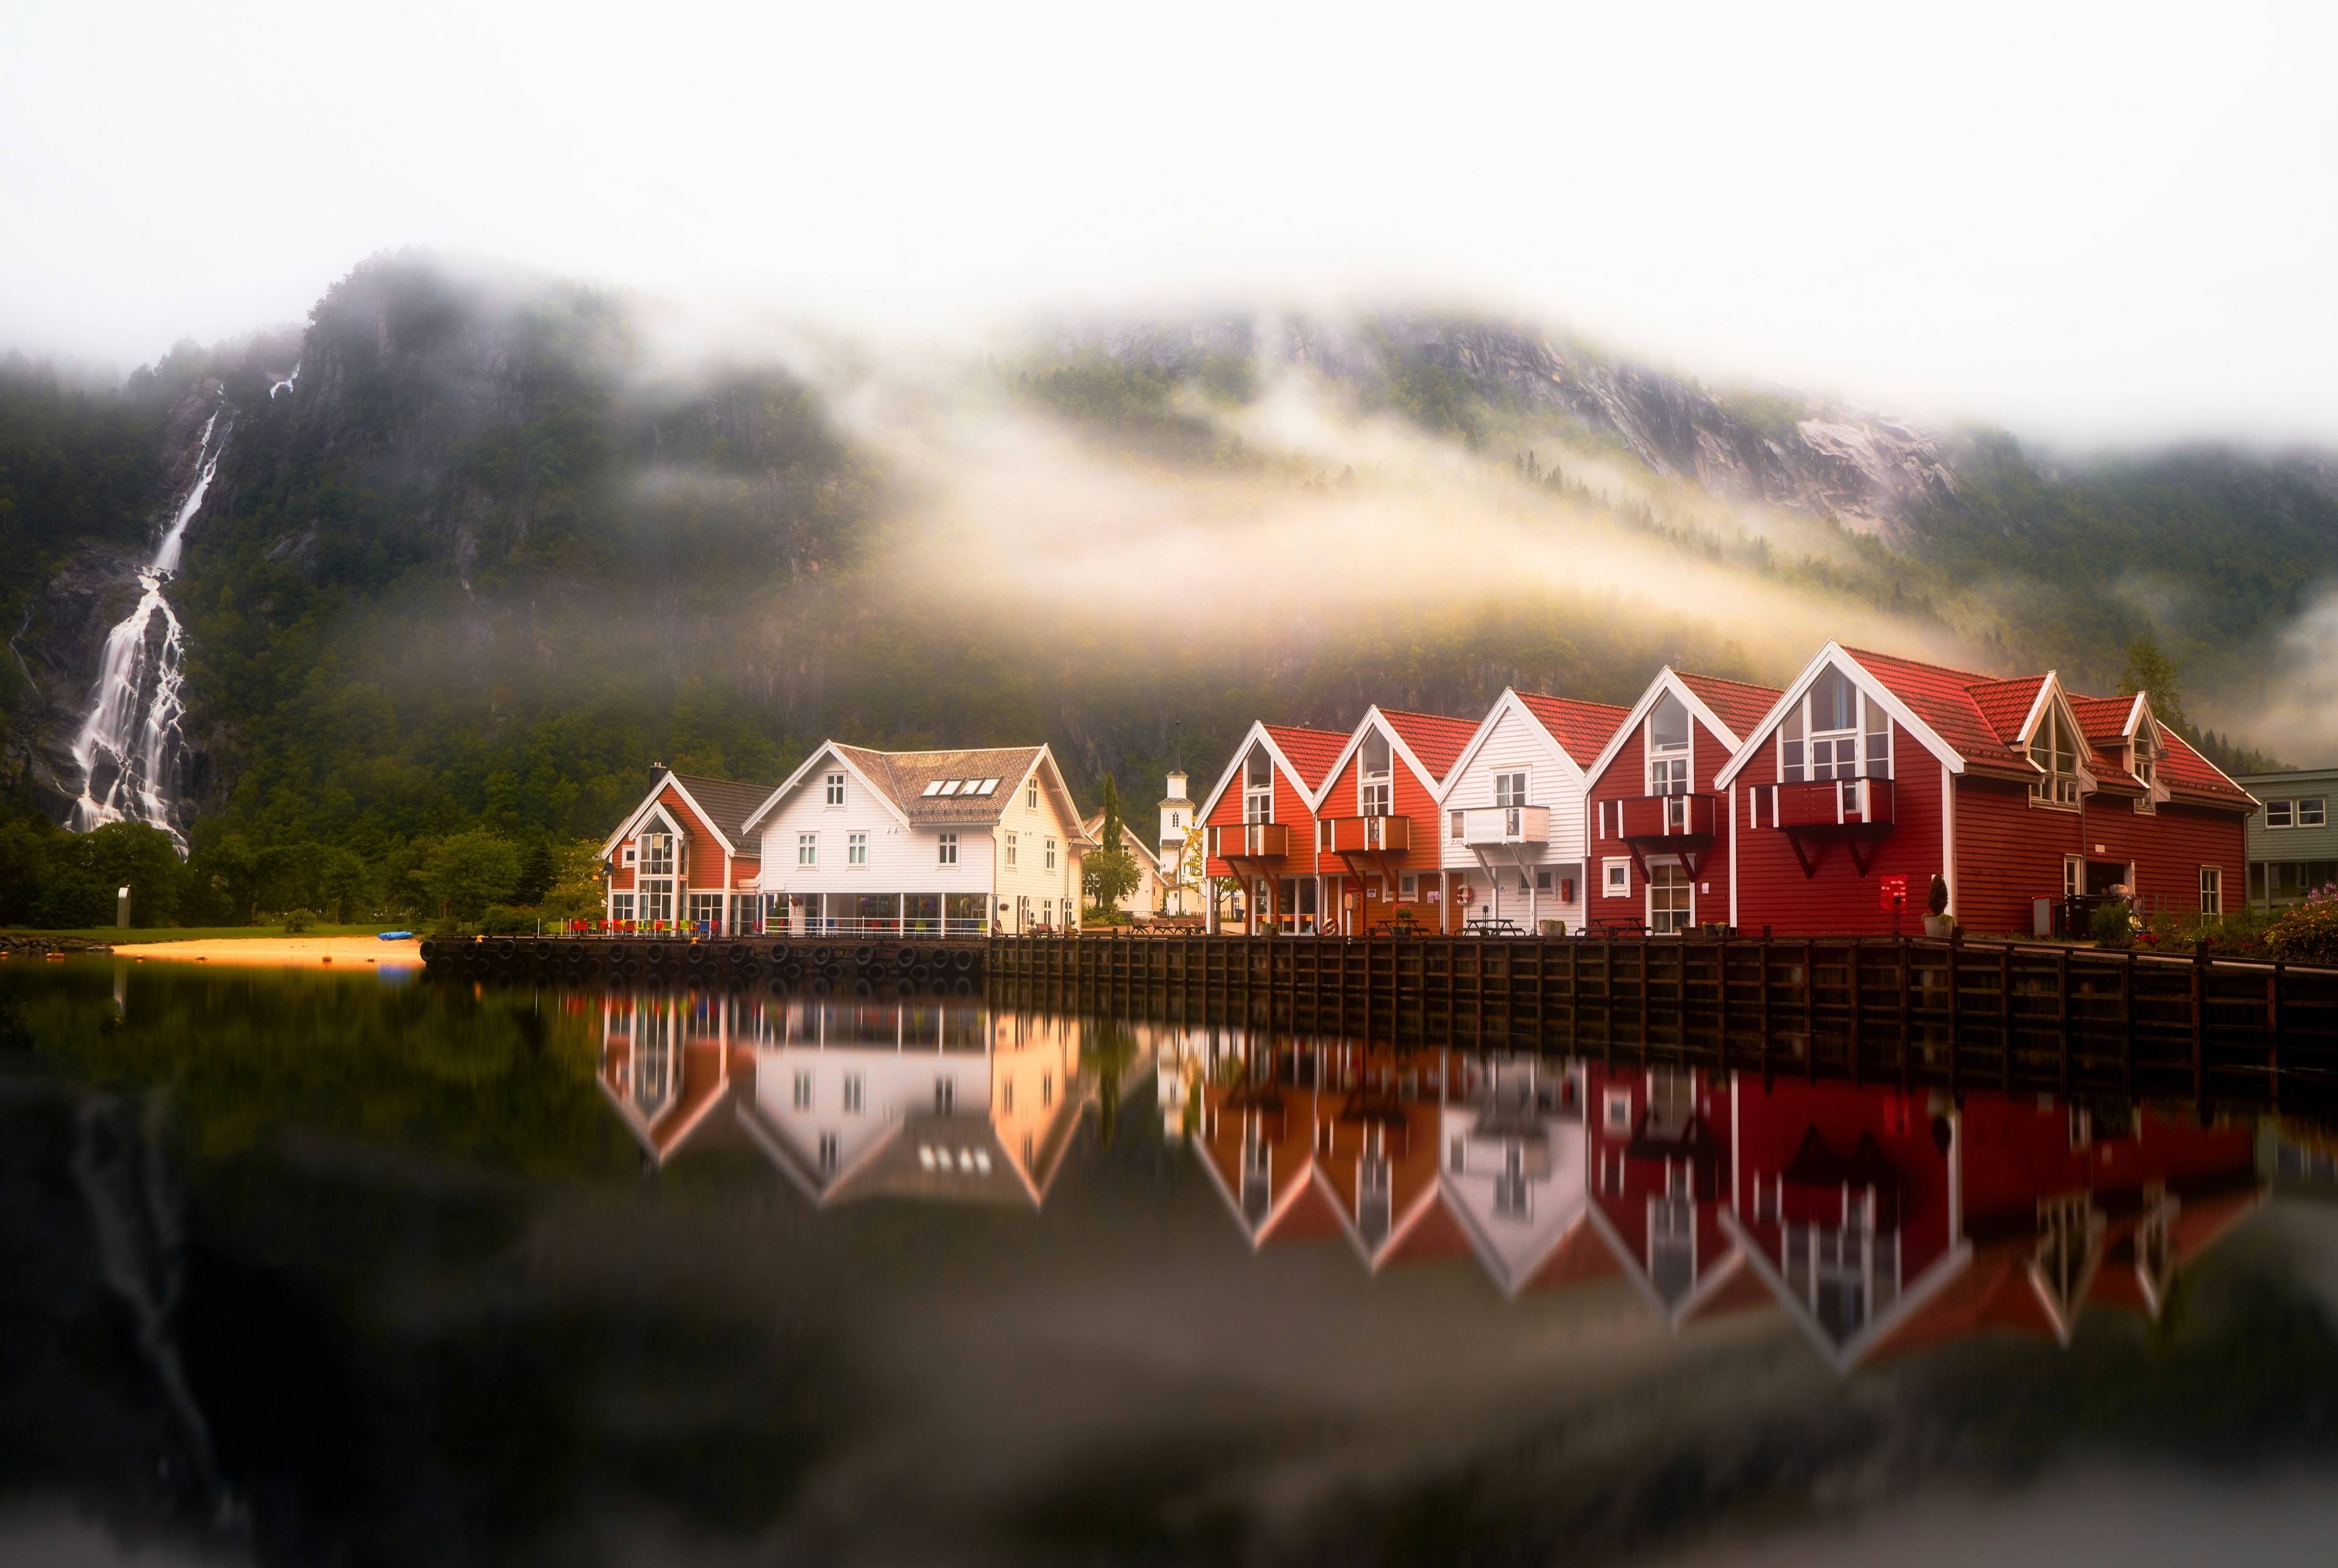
pixel 1938 921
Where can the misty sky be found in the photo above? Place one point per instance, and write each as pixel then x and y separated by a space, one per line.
pixel 2112 224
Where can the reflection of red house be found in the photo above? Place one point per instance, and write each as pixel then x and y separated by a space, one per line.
pixel 1885 1221
pixel 2068 1208
pixel 1847 1205
pixel 1659 1146
pixel 666 1064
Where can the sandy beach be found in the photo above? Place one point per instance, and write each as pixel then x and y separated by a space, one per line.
pixel 354 952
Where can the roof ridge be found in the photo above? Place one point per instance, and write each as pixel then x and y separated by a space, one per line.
pixel 1970 678
pixel 1730 680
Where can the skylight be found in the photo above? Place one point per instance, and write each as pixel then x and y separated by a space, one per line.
pixel 987 785
pixel 952 786
pixel 935 788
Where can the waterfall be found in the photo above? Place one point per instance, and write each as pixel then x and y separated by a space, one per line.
pixel 128 746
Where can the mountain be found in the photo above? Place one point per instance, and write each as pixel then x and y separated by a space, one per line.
pixel 484 550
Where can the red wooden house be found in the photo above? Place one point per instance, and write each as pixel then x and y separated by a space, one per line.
pixel 1378 821
pixel 1259 822
pixel 1875 773
pixel 1657 850
pixel 683 858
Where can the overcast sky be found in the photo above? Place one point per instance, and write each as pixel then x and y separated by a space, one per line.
pixel 2116 224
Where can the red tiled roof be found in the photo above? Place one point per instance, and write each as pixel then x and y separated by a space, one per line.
pixel 2103 722
pixel 1581 728
pixel 2187 773
pixel 1944 699
pixel 2005 704
pixel 1740 704
pixel 1438 741
pixel 1311 751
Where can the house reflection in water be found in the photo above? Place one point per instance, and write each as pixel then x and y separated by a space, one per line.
pixel 944 1100
pixel 1878 1221
pixel 940 1101
pixel 666 1064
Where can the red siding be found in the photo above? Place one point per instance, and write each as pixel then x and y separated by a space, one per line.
pixel 702 850
pixel 2010 852
pixel 1290 808
pixel 1839 900
pixel 1410 797
pixel 1626 778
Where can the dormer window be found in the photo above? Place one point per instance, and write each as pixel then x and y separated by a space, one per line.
pixel 1668 747
pixel 1258 788
pixel 2145 769
pixel 2054 748
pixel 1375 777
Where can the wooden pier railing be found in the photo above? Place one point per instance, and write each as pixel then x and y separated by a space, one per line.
pixel 1914 1011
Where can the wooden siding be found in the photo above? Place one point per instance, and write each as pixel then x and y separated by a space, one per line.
pixel 1626 778
pixel 701 849
pixel 1841 900
pixel 1411 796
pixel 1517 741
pixel 2009 853
pixel 2167 848
pixel 1290 808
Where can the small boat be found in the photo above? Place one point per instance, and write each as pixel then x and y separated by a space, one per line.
pixel 396 935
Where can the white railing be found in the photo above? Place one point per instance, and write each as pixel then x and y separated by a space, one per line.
pixel 1505 824
pixel 955 927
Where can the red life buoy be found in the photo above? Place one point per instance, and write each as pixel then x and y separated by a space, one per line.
pixel 1463 894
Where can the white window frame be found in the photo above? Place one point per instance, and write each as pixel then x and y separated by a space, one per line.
pixel 1375 789
pixel 852 1093
pixel 1615 877
pixel 807 849
pixel 1869 736
pixel 1011 860
pixel 1648 902
pixel 653 863
pixel 946 848
pixel 1616 1110
pixel 2319 807
pixel 856 849
pixel 1513 787
pixel 2074 875
pixel 1680 759
pixel 1258 796
pixel 629 854
pixel 2056 791
pixel 1050 866
pixel 834 790
pixel 2212 890
pixel 2280 814
pixel 1031 793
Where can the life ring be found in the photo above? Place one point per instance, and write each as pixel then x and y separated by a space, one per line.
pixel 1464 893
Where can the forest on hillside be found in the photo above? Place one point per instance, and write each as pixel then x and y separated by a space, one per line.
pixel 498 557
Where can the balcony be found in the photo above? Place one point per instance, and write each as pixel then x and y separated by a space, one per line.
pixel 1367 835
pixel 1483 825
pixel 1835 803
pixel 1251 841
pixel 1853 812
pixel 1671 816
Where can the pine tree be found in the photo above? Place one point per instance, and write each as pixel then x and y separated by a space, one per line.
pixel 2151 672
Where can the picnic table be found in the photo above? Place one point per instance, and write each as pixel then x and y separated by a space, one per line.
pixel 1491 924
pixel 1614 926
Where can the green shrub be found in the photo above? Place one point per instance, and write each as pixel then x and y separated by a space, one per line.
pixel 2305 932
pixel 449 926
pixel 503 920
pixel 2111 928
pixel 298 920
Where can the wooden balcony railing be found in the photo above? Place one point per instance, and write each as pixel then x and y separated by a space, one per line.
pixel 1504 825
pixel 1251 841
pixel 1359 835
pixel 1834 803
pixel 1670 817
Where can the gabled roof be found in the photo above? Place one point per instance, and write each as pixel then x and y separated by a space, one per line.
pixel 1738 704
pixel 1947 701
pixel 724 804
pixel 1446 739
pixel 2010 706
pixel 899 779
pixel 1146 853
pixel 1581 728
pixel 1745 706
pixel 1305 756
pixel 1310 752
pixel 1436 740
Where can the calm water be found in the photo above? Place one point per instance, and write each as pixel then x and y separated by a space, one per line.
pixel 329 1268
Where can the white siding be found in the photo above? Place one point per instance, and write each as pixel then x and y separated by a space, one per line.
pixel 900 860
pixel 1518 742
pixel 1029 878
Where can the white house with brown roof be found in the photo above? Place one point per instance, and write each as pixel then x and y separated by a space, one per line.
pixel 887 842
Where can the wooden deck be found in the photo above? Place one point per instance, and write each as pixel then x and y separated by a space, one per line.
pixel 1907 1011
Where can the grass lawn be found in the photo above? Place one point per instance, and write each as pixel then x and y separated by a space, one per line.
pixel 120 936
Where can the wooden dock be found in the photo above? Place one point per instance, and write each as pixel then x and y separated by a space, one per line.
pixel 1907 1011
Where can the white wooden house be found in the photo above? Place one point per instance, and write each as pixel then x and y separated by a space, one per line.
pixel 1510 844
pixel 884 842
